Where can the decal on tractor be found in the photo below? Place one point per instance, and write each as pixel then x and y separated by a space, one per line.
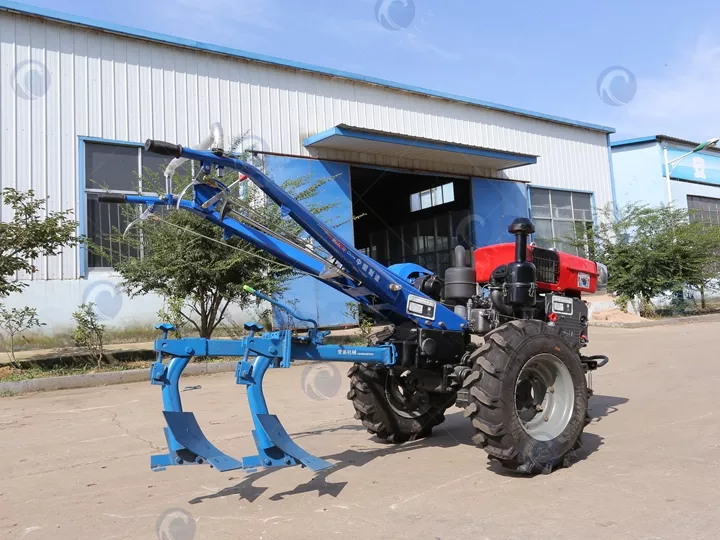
pixel 421 307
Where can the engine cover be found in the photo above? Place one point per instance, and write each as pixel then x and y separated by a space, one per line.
pixel 570 315
pixel 556 271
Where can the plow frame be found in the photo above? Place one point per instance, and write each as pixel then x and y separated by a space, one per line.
pixel 187 445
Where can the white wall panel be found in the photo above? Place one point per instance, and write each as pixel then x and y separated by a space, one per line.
pixel 105 85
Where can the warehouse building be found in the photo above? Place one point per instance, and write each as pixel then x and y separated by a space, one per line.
pixel 428 170
pixel 641 172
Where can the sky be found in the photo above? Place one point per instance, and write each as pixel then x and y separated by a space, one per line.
pixel 642 67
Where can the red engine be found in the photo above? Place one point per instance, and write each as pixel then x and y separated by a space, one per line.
pixel 556 271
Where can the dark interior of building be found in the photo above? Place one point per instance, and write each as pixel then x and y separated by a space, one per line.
pixel 410 217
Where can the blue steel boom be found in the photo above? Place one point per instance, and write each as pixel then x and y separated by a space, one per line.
pixel 423 364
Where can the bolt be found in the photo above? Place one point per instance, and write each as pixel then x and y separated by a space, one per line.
pixel 545 418
pixel 199 460
pixel 539 408
pixel 189 350
pixel 551 389
pixel 288 461
pixel 267 462
pixel 178 460
pixel 272 350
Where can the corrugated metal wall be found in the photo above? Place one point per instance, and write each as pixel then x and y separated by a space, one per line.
pixel 104 85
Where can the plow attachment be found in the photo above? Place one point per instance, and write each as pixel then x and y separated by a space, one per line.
pixel 188 445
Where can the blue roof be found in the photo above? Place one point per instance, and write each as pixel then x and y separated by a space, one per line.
pixel 657 138
pixel 227 51
pixel 639 140
pixel 412 147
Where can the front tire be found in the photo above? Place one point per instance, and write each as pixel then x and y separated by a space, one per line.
pixel 527 396
pixel 390 409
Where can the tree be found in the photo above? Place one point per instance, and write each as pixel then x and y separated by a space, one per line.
pixel 186 261
pixel 651 251
pixel 30 232
pixel 88 332
pixel 706 238
pixel 13 322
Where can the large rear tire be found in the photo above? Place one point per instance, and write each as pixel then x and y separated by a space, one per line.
pixel 528 397
pixel 390 408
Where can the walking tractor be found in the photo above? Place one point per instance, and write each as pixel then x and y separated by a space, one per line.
pixel 525 389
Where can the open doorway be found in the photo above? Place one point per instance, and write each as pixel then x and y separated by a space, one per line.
pixel 411 217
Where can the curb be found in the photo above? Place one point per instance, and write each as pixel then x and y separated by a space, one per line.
pixel 63 358
pixel 661 322
pixel 102 379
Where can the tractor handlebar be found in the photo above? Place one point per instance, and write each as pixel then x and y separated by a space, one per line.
pixel 112 198
pixel 163 148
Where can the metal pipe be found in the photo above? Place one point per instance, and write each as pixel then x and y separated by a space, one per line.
pixel 667 175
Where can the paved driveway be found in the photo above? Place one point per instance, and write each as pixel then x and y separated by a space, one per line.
pixel 75 463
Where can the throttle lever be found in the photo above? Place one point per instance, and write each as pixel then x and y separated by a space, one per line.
pixel 149 213
pixel 215 198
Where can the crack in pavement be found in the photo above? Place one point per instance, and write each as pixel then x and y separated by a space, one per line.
pixel 117 422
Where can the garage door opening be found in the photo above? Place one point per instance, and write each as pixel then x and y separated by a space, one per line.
pixel 411 217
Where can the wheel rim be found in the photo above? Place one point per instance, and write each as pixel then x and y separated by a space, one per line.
pixel 404 398
pixel 544 397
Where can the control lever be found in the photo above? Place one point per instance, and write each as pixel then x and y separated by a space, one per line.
pixel 313 333
pixel 215 198
pixel 149 213
pixel 275 303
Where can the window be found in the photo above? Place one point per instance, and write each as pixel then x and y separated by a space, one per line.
pixel 432 197
pixel 704 209
pixel 428 242
pixel 562 219
pixel 114 168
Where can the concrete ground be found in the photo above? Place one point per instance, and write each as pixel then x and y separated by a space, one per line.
pixel 75 463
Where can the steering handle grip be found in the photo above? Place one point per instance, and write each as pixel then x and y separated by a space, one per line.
pixel 163 148
pixel 112 198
